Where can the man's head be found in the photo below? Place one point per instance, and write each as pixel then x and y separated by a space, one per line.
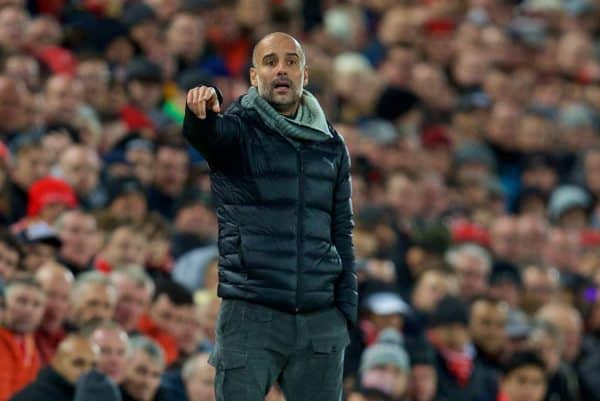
pixel 185 36
pixel 31 163
pixel 487 324
pixel 93 299
pixel 386 309
pixel 569 322
pixel 171 169
pixel 431 286
pixel 113 344
pixel 80 167
pixel 10 255
pixel 63 97
pixel 547 340
pixel 540 286
pixel 75 356
pixel 78 232
pixel 14 115
pixel 199 378
pixel 524 377
pixel 449 323
pixel 145 366
pixel 279 71
pixel 473 266
pixel 168 307
pixel 25 302
pixel 125 246
pixel 135 290
pixel 56 281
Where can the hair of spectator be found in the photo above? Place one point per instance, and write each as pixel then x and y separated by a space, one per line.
pixel 11 241
pixel 177 293
pixel 541 327
pixel 92 277
pixel 454 254
pixel 136 275
pixel 298 45
pixel 149 346
pixel 60 220
pixel 487 298
pixel 190 367
pixel 25 281
pixel 108 325
pixel 523 359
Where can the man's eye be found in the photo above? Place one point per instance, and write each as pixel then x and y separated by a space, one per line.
pixel 291 62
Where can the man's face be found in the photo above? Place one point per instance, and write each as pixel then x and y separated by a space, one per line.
pixel 31 165
pixel 171 170
pixel 78 235
pixel 167 315
pixel 432 287
pixel 80 168
pixel 488 326
pixel 13 110
pixel 113 352
pixel 143 376
pixel 24 308
pixel 200 386
pixel 9 261
pixel 37 254
pixel 279 73
pixel 185 35
pixel 191 330
pixel 57 288
pixel 472 276
pixel 95 303
pixel 63 99
pixel 132 303
pixel 143 164
pixel 76 358
pixel 126 247
pixel 524 384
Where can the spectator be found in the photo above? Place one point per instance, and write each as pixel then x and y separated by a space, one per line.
pixel 93 299
pixel 487 326
pixel 170 176
pixel 385 366
pixel 164 320
pixel 423 380
pixel 21 362
pixel 41 244
pixel 113 345
pixel 145 365
pixel 56 281
pixel 459 374
pixel 540 287
pixel 127 203
pixel 135 291
pixel 199 377
pixel 75 356
pixel 195 223
pixel 79 235
pixel 11 255
pixel 80 167
pixel 126 245
pixel 568 320
pixel 473 267
pixel 523 368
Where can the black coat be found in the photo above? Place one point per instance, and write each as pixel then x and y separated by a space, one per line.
pixel 284 211
pixel 49 386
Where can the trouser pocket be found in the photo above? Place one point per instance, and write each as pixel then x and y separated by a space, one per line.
pixel 231 376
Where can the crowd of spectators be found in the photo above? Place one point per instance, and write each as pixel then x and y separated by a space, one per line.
pixel 474 133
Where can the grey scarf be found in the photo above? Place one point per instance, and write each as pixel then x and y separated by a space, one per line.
pixel 309 124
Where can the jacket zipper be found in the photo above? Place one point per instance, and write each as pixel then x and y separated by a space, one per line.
pixel 300 228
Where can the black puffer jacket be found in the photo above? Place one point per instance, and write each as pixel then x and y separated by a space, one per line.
pixel 285 217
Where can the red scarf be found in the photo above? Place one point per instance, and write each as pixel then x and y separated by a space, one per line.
pixel 459 364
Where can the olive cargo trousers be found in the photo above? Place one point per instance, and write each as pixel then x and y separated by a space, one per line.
pixel 258 346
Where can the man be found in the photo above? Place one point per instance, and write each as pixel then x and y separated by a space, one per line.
pixel 523 379
pixel 488 318
pixel 75 356
pixel 113 345
pixel 78 232
pixel 171 170
pixel 473 266
pixel 126 245
pixel 19 358
pixel 80 167
pixel 165 320
pixel 11 255
pixel 144 369
pixel 56 281
pixel 93 299
pixel 199 378
pixel 135 290
pixel 287 274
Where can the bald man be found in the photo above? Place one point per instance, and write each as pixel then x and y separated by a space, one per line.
pixel 281 181
pixel 56 281
pixel 75 356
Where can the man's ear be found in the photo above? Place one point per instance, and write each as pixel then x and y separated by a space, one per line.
pixel 305 81
pixel 253 77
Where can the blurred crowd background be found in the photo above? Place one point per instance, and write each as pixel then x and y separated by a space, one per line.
pixel 473 128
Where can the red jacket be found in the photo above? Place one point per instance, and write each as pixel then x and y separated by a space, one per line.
pixel 169 345
pixel 47 343
pixel 19 362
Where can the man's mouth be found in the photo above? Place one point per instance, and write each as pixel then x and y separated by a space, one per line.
pixel 281 85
